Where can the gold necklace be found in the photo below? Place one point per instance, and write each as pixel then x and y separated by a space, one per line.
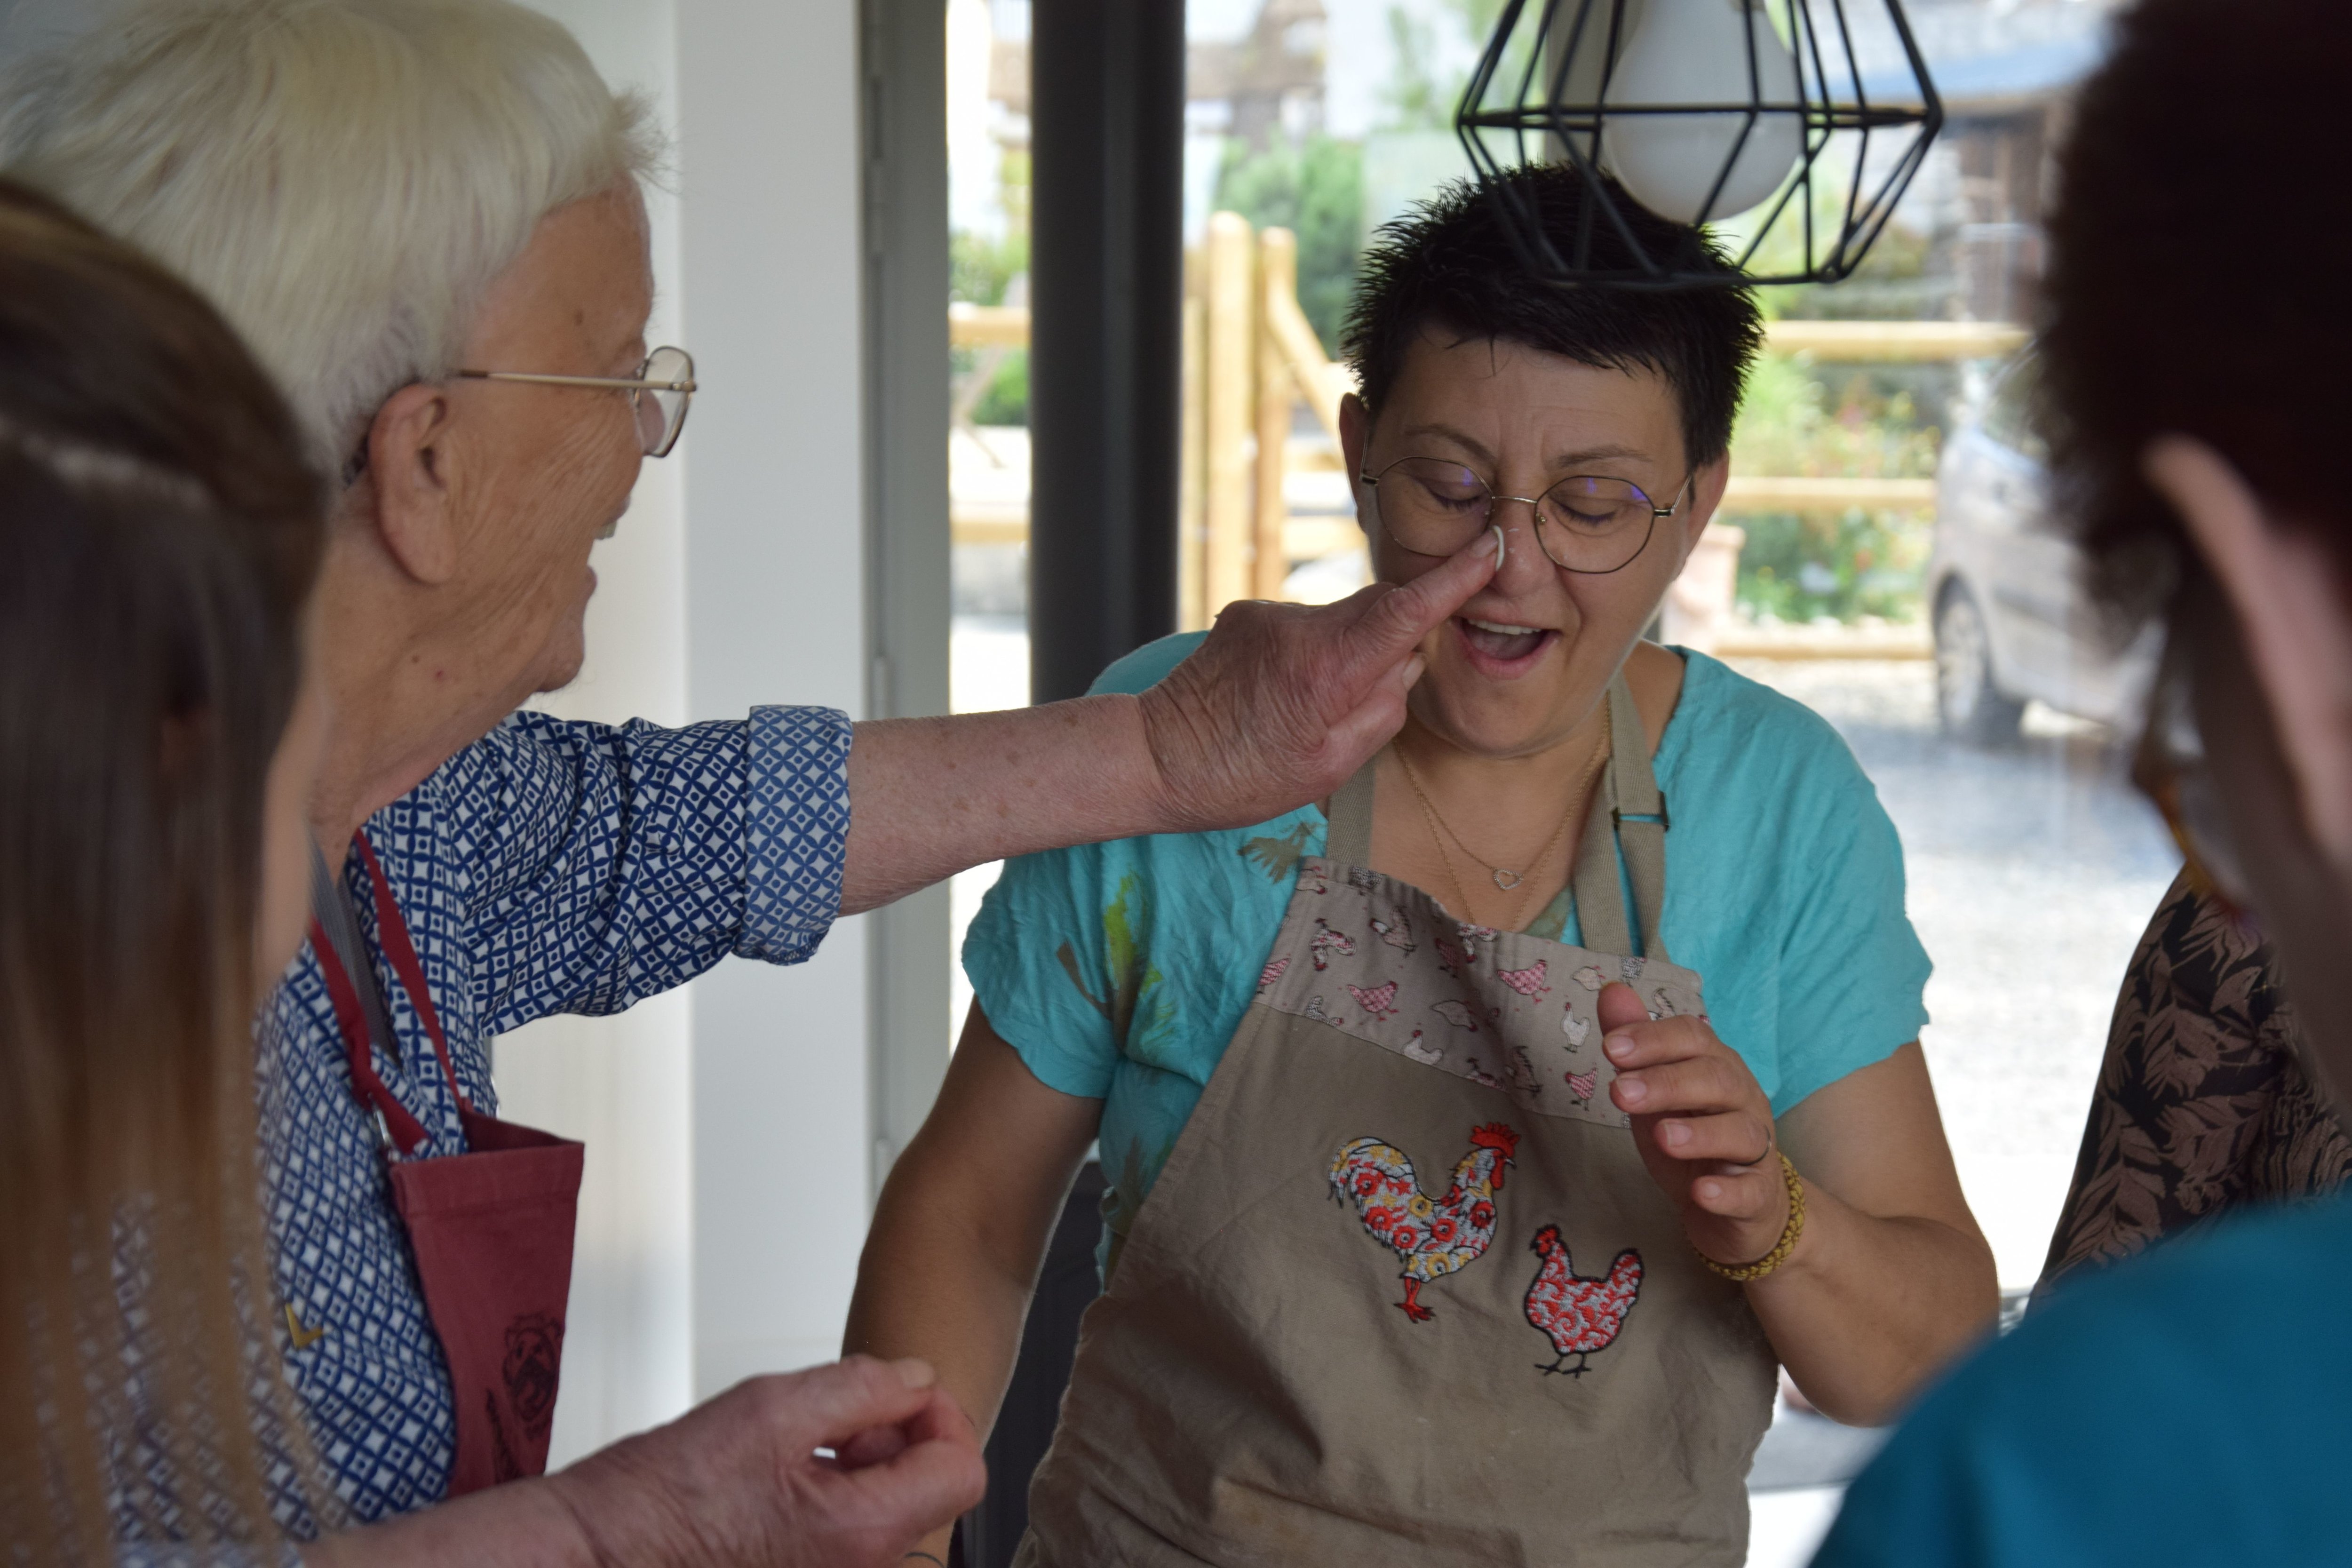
pixel 1504 879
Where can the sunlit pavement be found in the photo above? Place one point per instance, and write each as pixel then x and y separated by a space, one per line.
pixel 2032 872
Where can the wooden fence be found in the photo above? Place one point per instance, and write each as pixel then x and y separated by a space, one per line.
pixel 1250 356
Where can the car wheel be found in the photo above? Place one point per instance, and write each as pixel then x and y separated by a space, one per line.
pixel 1971 707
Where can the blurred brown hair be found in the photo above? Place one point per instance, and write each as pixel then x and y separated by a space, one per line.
pixel 159 535
pixel 2197 280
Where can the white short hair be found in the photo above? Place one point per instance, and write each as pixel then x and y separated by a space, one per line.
pixel 343 177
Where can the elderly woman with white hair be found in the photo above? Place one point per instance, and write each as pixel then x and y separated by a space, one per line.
pixel 424 217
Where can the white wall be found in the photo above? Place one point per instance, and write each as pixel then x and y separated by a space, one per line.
pixel 725 1192
pixel 622 1085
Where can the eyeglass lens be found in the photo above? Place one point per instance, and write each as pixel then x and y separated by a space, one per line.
pixel 661 413
pixel 1585 522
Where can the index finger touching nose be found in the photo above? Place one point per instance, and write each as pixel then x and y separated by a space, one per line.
pixel 1400 617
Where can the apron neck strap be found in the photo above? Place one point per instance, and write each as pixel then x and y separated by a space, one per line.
pixel 1633 807
pixel 392 933
pixel 1349 841
pixel 1629 804
pixel 350 1015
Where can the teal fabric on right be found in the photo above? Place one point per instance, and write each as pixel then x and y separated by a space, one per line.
pixel 1121 971
pixel 2191 1405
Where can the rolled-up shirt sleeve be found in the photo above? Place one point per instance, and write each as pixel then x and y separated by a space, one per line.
pixel 612 863
pixel 796 830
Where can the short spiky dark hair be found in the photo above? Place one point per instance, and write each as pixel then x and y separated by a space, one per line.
pixel 1448 263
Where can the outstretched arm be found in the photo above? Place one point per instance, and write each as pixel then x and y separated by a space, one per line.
pixel 963 1223
pixel 1277 708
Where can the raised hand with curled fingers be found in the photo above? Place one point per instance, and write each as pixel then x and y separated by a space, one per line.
pixel 1703 1124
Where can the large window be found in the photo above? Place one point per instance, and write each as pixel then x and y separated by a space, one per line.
pixel 1886 555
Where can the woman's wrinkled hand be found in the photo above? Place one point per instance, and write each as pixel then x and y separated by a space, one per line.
pixel 1703 1124
pixel 1282 703
pixel 742 1480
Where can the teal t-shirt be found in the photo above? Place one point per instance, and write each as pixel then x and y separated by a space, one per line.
pixel 1121 971
pixel 2189 1406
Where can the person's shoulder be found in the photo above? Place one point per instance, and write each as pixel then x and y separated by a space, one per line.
pixel 1147 666
pixel 2143 1401
pixel 1719 705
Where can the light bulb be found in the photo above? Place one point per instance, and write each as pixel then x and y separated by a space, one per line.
pixel 1691 51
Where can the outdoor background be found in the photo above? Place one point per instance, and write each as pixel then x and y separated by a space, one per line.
pixel 2032 866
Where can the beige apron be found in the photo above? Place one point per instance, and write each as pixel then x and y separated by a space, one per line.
pixel 1404 1291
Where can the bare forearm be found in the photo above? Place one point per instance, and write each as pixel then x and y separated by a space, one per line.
pixel 525 1524
pixel 1866 1309
pixel 929 798
pixel 931 1288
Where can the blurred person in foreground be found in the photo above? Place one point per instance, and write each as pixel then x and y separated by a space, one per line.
pixel 2194 1405
pixel 159 541
pixel 425 218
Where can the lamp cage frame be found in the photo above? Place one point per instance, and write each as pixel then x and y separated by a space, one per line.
pixel 1531 99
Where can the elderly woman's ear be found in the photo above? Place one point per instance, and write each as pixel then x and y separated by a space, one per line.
pixel 2290 603
pixel 408 476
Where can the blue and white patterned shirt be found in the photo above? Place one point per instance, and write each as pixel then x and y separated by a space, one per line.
pixel 550 867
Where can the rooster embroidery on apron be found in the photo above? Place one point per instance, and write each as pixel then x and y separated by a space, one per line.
pixel 1435 1236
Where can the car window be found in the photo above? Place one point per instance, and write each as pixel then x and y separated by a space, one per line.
pixel 2010 417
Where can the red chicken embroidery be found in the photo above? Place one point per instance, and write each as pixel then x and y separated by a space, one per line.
pixel 1435 1238
pixel 1379 1001
pixel 1578 1316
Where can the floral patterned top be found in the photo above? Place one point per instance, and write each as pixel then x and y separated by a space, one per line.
pixel 2204 1102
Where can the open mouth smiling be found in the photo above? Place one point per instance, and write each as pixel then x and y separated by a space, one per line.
pixel 1500 648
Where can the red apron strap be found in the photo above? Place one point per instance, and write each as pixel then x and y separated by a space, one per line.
pixel 407 1131
pixel 392 933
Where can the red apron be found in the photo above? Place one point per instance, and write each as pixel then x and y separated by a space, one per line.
pixel 490 1230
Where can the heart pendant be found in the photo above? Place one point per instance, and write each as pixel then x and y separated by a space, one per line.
pixel 1507 880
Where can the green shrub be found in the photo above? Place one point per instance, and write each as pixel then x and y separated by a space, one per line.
pixel 1798 568
pixel 1006 401
pixel 1863 563
pixel 1317 192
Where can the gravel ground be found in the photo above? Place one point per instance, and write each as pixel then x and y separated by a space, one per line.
pixel 2033 871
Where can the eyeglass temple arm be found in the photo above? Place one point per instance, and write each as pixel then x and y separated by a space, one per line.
pixel 618 383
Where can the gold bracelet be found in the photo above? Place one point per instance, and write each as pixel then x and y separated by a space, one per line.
pixel 1743 1273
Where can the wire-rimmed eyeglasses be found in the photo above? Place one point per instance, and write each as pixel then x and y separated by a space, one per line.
pixel 658 393
pixel 1586 522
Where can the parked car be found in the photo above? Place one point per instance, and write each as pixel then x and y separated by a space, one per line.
pixel 2012 619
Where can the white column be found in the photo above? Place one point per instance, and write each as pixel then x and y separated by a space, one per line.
pixel 725 1199
pixel 622 1085
pixel 768 294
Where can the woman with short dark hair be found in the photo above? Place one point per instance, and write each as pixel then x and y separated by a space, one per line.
pixel 2194 1405
pixel 1481 1139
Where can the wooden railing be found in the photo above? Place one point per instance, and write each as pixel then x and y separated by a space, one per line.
pixel 1250 355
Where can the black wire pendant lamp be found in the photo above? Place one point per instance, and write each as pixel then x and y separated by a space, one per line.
pixel 1801 119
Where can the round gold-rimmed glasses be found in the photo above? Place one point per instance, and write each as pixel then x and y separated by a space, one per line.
pixel 658 393
pixel 1586 522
